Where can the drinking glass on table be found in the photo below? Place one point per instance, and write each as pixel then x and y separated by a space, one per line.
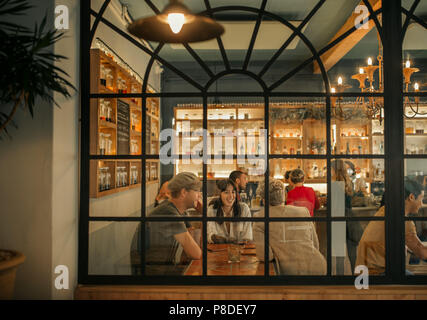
pixel 233 251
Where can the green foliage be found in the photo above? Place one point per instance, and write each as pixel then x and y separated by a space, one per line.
pixel 27 64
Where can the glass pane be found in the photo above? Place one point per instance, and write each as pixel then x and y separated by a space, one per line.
pixel 159 174
pixel 309 188
pixel 231 250
pixel 355 64
pixel 185 117
pixel 116 127
pixel 416 231
pixel 415 111
pixel 356 129
pixel 414 67
pixel 295 246
pixel 416 169
pixel 113 248
pixel 152 128
pixel 357 187
pixel 297 126
pixel 415 200
pixel 165 254
pixel 104 128
pixel 358 243
pixel 115 188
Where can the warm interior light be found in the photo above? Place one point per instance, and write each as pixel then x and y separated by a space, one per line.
pixel 333 90
pixel 369 62
pixel 408 64
pixel 416 86
pixel 176 21
pixel 339 81
pixel 361 70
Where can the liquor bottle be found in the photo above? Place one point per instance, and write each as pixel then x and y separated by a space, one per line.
pixel 347 151
pixel 277 169
pixel 285 150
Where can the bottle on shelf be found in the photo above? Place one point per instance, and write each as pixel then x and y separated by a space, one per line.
pixel 102 110
pixel 348 148
pixel 419 128
pixel 258 148
pixel 109 83
pixel 277 169
pixel 101 144
pixel 107 179
pixel 108 111
pixel 285 150
pixel 242 148
pixel 102 76
pixel 101 179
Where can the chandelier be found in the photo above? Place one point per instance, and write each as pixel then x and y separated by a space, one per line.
pixel 372 105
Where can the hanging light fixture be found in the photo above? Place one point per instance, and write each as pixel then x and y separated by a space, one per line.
pixel 176 24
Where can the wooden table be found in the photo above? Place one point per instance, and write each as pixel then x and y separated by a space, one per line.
pixel 218 264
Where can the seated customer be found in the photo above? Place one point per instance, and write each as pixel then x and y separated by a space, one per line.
pixel 371 249
pixel 164 194
pixel 170 238
pixel 294 245
pixel 226 205
pixel 290 185
pixel 300 195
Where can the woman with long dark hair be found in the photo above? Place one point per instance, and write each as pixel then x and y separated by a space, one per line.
pixel 226 205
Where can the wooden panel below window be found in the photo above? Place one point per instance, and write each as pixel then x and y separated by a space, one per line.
pixel 108 292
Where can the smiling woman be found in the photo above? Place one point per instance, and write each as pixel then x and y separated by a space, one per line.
pixel 226 205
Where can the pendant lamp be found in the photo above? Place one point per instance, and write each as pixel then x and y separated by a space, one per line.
pixel 176 24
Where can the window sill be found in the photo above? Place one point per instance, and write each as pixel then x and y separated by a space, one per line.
pixel 379 292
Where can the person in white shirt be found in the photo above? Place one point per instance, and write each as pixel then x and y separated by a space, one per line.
pixel 226 205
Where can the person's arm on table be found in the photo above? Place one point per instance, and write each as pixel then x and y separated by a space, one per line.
pixel 190 246
pixel 415 245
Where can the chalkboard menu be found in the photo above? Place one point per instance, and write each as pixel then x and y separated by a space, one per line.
pixel 123 127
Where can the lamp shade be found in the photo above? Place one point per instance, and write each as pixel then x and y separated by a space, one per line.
pixel 195 28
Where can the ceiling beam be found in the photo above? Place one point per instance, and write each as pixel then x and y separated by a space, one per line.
pixel 333 55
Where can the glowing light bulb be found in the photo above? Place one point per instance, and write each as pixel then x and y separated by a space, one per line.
pixel 339 81
pixel 408 64
pixel 369 62
pixel 361 70
pixel 416 86
pixel 176 21
pixel 333 90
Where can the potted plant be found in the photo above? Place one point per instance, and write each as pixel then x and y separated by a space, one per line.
pixel 27 74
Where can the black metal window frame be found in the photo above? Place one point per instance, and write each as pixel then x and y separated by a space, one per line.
pixel 390 31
